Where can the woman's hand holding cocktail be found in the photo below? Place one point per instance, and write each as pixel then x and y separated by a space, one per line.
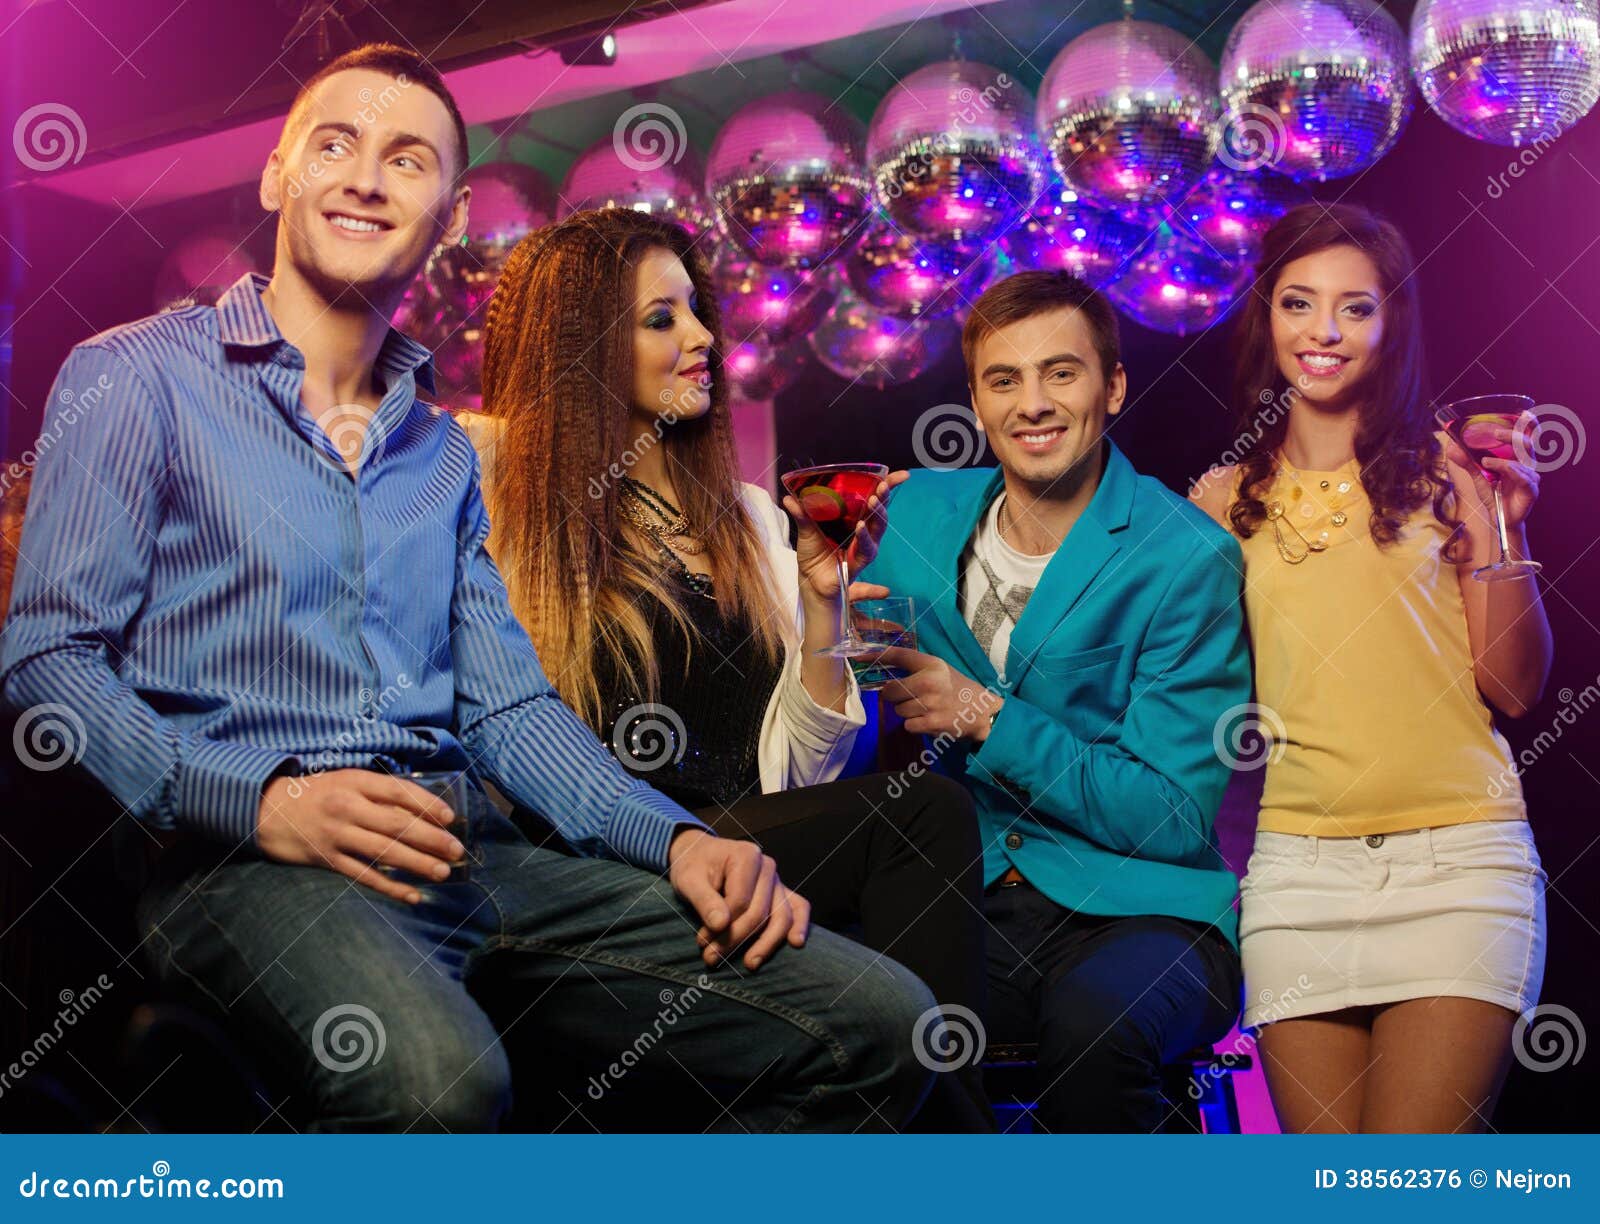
pixel 1519 483
pixel 1506 624
pixel 816 556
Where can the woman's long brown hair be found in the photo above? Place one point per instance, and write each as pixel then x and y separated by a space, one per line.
pixel 558 372
pixel 1401 464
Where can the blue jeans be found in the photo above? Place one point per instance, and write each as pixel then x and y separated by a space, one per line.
pixel 373 1005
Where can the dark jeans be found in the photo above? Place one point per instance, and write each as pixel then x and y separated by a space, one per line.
pixel 373 1005
pixel 898 859
pixel 1108 1000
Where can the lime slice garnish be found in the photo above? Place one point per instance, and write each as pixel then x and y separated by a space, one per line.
pixel 821 504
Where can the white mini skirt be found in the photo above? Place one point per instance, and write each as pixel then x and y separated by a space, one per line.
pixel 1327 923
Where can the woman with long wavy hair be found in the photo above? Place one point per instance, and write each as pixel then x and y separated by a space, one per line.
pixel 1392 917
pixel 673 615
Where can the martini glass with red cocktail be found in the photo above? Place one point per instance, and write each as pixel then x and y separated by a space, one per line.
pixel 1477 425
pixel 835 496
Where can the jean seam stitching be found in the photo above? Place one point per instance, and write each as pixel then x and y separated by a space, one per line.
pixel 799 1019
pixel 172 963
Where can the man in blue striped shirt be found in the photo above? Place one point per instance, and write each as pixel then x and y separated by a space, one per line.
pixel 253 588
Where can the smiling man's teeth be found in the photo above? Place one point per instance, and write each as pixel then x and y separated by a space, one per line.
pixel 1039 437
pixel 350 223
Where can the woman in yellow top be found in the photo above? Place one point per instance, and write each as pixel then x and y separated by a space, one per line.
pixel 1392 917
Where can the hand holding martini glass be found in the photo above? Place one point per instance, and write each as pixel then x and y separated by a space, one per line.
pixel 1484 426
pixel 836 498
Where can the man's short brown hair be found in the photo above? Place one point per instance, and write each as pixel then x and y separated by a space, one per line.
pixel 403 65
pixel 1027 294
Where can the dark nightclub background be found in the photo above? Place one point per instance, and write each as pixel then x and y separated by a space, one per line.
pixel 1510 286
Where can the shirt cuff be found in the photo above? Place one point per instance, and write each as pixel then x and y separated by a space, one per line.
pixel 643 825
pixel 219 788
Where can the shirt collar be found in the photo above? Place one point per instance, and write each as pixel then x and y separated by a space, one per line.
pixel 243 321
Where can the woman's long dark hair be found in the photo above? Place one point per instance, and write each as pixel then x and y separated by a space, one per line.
pixel 1401 465
pixel 558 371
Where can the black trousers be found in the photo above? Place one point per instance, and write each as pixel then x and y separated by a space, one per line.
pixel 896 861
pixel 1109 1000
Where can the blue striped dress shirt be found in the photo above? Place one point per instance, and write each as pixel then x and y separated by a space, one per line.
pixel 216 600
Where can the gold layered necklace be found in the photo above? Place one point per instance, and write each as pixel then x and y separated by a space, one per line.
pixel 1296 550
pixel 657 517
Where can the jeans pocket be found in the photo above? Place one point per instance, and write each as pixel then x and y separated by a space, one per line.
pixel 1274 857
pixel 1488 845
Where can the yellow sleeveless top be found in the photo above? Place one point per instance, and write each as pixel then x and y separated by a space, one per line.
pixel 1364 667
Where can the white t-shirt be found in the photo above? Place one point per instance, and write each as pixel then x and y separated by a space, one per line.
pixel 996 580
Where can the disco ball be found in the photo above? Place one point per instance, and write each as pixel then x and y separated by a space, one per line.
pixel 443 308
pixel 1505 72
pixel 1129 111
pixel 953 152
pixel 202 266
pixel 1063 234
pixel 1314 89
pixel 603 178
pixel 863 344
pixel 910 276
pixel 758 370
pixel 1176 285
pixel 766 303
pixel 1230 211
pixel 785 175
pixel 509 200
pixel 458 367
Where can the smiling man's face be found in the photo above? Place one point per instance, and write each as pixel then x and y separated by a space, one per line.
pixel 1041 396
pixel 365 183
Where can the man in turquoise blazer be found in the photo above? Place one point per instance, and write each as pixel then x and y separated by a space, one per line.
pixel 1081 646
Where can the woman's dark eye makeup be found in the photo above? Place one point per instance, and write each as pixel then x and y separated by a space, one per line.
pixel 661 318
pixel 1361 310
